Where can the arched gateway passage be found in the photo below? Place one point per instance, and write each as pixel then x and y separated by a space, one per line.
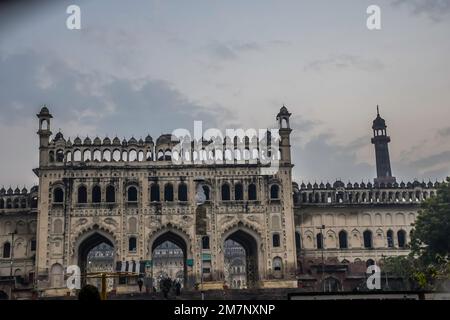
pixel 234 243
pixel 95 254
pixel 169 256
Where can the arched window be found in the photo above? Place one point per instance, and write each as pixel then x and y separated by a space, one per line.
pixel 132 244
pixel 6 250
pixel 319 241
pixel 298 242
pixel 401 238
pixel 343 243
pixel 206 191
pixel 154 193
pixel 110 194
pixel 182 192
pixel 390 238
pixel 238 192
pixel 367 239
pixel 225 192
pixel 132 194
pixel 96 194
pixel 168 192
pixel 51 156
pixel 33 245
pixel 370 262
pixel 58 195
pixel 2 204
pixel 205 242
pixel 277 264
pixel 252 192
pixel 59 156
pixel 34 202
pixel 82 194
pixel 275 240
pixel 274 192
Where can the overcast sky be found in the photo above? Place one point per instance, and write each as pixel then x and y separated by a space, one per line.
pixel 140 67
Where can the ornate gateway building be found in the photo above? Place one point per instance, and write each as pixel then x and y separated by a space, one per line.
pixel 132 198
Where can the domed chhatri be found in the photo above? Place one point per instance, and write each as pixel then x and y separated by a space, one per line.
pixel 379 122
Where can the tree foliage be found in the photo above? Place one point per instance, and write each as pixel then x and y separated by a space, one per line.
pixel 430 239
pixel 428 265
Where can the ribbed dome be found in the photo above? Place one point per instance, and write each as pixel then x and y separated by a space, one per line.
pixel 10 190
pixel 165 138
pixel 24 190
pixel 2 191
pixel 116 141
pixel 338 184
pixel 97 141
pixel 59 136
pixel 106 141
pixel 44 111
pixel 17 190
pixel 148 139
pixel 379 122
pixel 77 141
pixel 132 141
pixel 87 141
pixel 124 142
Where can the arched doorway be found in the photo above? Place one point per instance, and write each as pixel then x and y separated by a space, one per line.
pixel 240 245
pixel 169 258
pixel 96 253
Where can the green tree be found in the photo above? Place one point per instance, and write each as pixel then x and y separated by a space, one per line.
pixel 430 239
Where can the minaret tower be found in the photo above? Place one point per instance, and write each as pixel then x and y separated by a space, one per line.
pixel 380 140
pixel 44 133
pixel 285 133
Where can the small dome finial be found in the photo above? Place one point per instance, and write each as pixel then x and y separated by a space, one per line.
pixel 378 110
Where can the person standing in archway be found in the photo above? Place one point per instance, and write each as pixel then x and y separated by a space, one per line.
pixel 140 283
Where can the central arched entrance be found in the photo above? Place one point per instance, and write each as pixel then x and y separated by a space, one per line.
pixel 96 254
pixel 169 254
pixel 241 260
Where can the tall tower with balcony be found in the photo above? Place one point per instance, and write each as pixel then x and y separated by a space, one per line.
pixel 285 133
pixel 44 133
pixel 381 140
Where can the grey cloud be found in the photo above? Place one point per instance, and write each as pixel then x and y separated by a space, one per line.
pixel 432 160
pixel 435 10
pixel 232 50
pixel 83 98
pixel 444 132
pixel 323 160
pixel 344 61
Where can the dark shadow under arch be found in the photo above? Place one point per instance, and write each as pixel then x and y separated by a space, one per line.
pixel 250 245
pixel 179 242
pixel 87 245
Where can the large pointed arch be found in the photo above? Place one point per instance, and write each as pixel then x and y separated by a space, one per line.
pixel 250 240
pixel 89 240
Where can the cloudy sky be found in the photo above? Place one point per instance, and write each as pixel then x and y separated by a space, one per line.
pixel 140 67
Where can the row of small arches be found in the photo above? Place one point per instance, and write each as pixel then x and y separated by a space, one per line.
pixel 343 238
pixel 155 194
pixel 18 203
pixel 134 155
pixel 365 197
